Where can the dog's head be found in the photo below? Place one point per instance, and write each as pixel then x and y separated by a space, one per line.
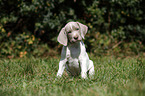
pixel 72 33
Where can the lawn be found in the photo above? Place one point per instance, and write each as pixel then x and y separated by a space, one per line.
pixel 36 77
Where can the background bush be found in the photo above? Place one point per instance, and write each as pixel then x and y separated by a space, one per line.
pixel 32 26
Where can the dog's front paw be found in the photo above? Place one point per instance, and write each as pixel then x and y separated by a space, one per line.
pixel 84 75
pixel 58 77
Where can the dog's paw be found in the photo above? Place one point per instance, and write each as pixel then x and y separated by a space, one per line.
pixel 84 76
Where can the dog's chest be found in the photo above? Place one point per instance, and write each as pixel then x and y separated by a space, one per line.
pixel 73 52
pixel 73 65
pixel 73 56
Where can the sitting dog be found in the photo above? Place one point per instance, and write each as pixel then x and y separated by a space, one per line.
pixel 74 56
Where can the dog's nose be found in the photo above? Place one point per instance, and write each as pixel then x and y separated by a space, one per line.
pixel 76 37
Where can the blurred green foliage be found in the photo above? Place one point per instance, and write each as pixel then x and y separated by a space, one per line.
pixel 32 26
pixel 117 26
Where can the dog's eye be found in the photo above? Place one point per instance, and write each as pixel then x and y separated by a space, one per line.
pixel 69 32
pixel 77 28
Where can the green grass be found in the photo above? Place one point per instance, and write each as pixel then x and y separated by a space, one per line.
pixel 36 77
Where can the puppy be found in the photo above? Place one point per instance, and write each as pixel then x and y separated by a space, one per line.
pixel 74 56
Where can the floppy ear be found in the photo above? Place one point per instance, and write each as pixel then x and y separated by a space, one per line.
pixel 84 29
pixel 62 37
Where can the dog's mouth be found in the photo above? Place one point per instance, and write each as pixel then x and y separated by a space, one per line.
pixel 74 41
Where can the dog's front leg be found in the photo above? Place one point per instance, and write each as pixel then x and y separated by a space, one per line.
pixel 61 68
pixel 83 64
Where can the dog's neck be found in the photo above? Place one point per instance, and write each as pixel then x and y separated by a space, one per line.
pixel 74 45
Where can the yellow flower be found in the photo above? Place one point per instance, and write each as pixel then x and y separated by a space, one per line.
pixel 33 37
pixel 30 42
pixel 21 56
pixel 48 4
pixel 27 36
pixel 25 52
pixel 3 30
pixel 19 47
pixel 21 53
pixel 122 12
pixel 89 24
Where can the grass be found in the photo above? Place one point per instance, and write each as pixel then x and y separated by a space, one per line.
pixel 36 77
